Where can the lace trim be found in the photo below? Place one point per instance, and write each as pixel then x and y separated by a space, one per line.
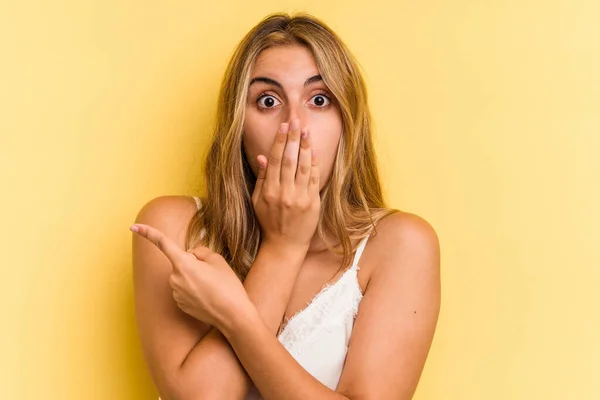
pixel 329 310
pixel 353 267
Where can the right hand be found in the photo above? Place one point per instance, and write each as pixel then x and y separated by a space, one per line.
pixel 286 197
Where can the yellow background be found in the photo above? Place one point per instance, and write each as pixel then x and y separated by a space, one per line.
pixel 487 121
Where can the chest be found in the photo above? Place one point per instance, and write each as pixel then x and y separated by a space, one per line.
pixel 316 274
pixel 318 335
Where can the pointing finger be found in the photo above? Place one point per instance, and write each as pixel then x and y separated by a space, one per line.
pixel 160 240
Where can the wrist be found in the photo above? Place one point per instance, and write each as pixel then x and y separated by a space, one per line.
pixel 285 251
pixel 239 320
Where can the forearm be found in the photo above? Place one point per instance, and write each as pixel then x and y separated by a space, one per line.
pixel 212 369
pixel 276 374
pixel 270 282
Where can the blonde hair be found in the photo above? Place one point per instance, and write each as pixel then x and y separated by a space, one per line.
pixel 351 202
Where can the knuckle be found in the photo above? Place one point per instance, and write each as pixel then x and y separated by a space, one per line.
pixel 274 160
pixel 270 196
pixel 303 169
pixel 287 162
pixel 288 201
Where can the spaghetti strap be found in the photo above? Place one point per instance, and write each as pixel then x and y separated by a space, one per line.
pixel 359 251
pixel 198 204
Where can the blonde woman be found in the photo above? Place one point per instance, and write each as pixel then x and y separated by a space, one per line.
pixel 290 279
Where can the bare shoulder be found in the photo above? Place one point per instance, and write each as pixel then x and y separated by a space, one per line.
pixel 166 333
pixel 172 213
pixel 405 241
pixel 402 227
pixel 398 314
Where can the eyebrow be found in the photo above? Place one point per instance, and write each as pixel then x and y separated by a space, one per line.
pixel 264 79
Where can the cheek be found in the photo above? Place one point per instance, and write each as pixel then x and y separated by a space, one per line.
pixel 326 146
pixel 255 142
pixel 326 143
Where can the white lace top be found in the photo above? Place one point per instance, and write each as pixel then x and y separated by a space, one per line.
pixel 318 336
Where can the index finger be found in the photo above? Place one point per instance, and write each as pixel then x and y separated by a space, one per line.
pixel 160 240
pixel 276 156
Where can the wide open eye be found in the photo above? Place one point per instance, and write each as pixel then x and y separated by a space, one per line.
pixel 267 101
pixel 321 100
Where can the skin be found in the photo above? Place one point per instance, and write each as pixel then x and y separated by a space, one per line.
pixel 312 104
pixel 287 98
pixel 179 295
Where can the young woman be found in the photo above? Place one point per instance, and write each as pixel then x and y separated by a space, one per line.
pixel 269 300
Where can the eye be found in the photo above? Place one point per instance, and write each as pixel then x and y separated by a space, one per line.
pixel 267 101
pixel 321 100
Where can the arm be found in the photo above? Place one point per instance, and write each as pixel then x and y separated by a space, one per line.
pixel 269 287
pixel 391 337
pixel 186 358
pixel 287 203
pixel 184 362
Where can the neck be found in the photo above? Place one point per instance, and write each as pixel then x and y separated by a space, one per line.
pixel 317 245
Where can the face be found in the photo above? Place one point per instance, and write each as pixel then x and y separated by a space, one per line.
pixel 288 86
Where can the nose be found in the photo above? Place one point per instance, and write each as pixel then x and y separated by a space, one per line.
pixel 295 110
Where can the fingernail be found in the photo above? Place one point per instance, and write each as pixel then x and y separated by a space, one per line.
pixel 304 133
pixel 284 128
pixel 295 124
pixel 134 228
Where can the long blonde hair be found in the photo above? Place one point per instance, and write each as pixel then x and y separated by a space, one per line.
pixel 351 202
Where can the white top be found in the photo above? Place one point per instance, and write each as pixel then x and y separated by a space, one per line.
pixel 318 335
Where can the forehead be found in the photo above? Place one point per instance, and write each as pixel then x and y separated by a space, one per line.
pixel 281 62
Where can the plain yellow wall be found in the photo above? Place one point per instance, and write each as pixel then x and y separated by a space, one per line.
pixel 488 125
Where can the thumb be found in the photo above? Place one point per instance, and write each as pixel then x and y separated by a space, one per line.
pixel 201 252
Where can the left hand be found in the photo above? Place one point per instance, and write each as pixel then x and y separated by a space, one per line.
pixel 204 285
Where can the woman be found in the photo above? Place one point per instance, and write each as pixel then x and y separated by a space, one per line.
pixel 269 300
